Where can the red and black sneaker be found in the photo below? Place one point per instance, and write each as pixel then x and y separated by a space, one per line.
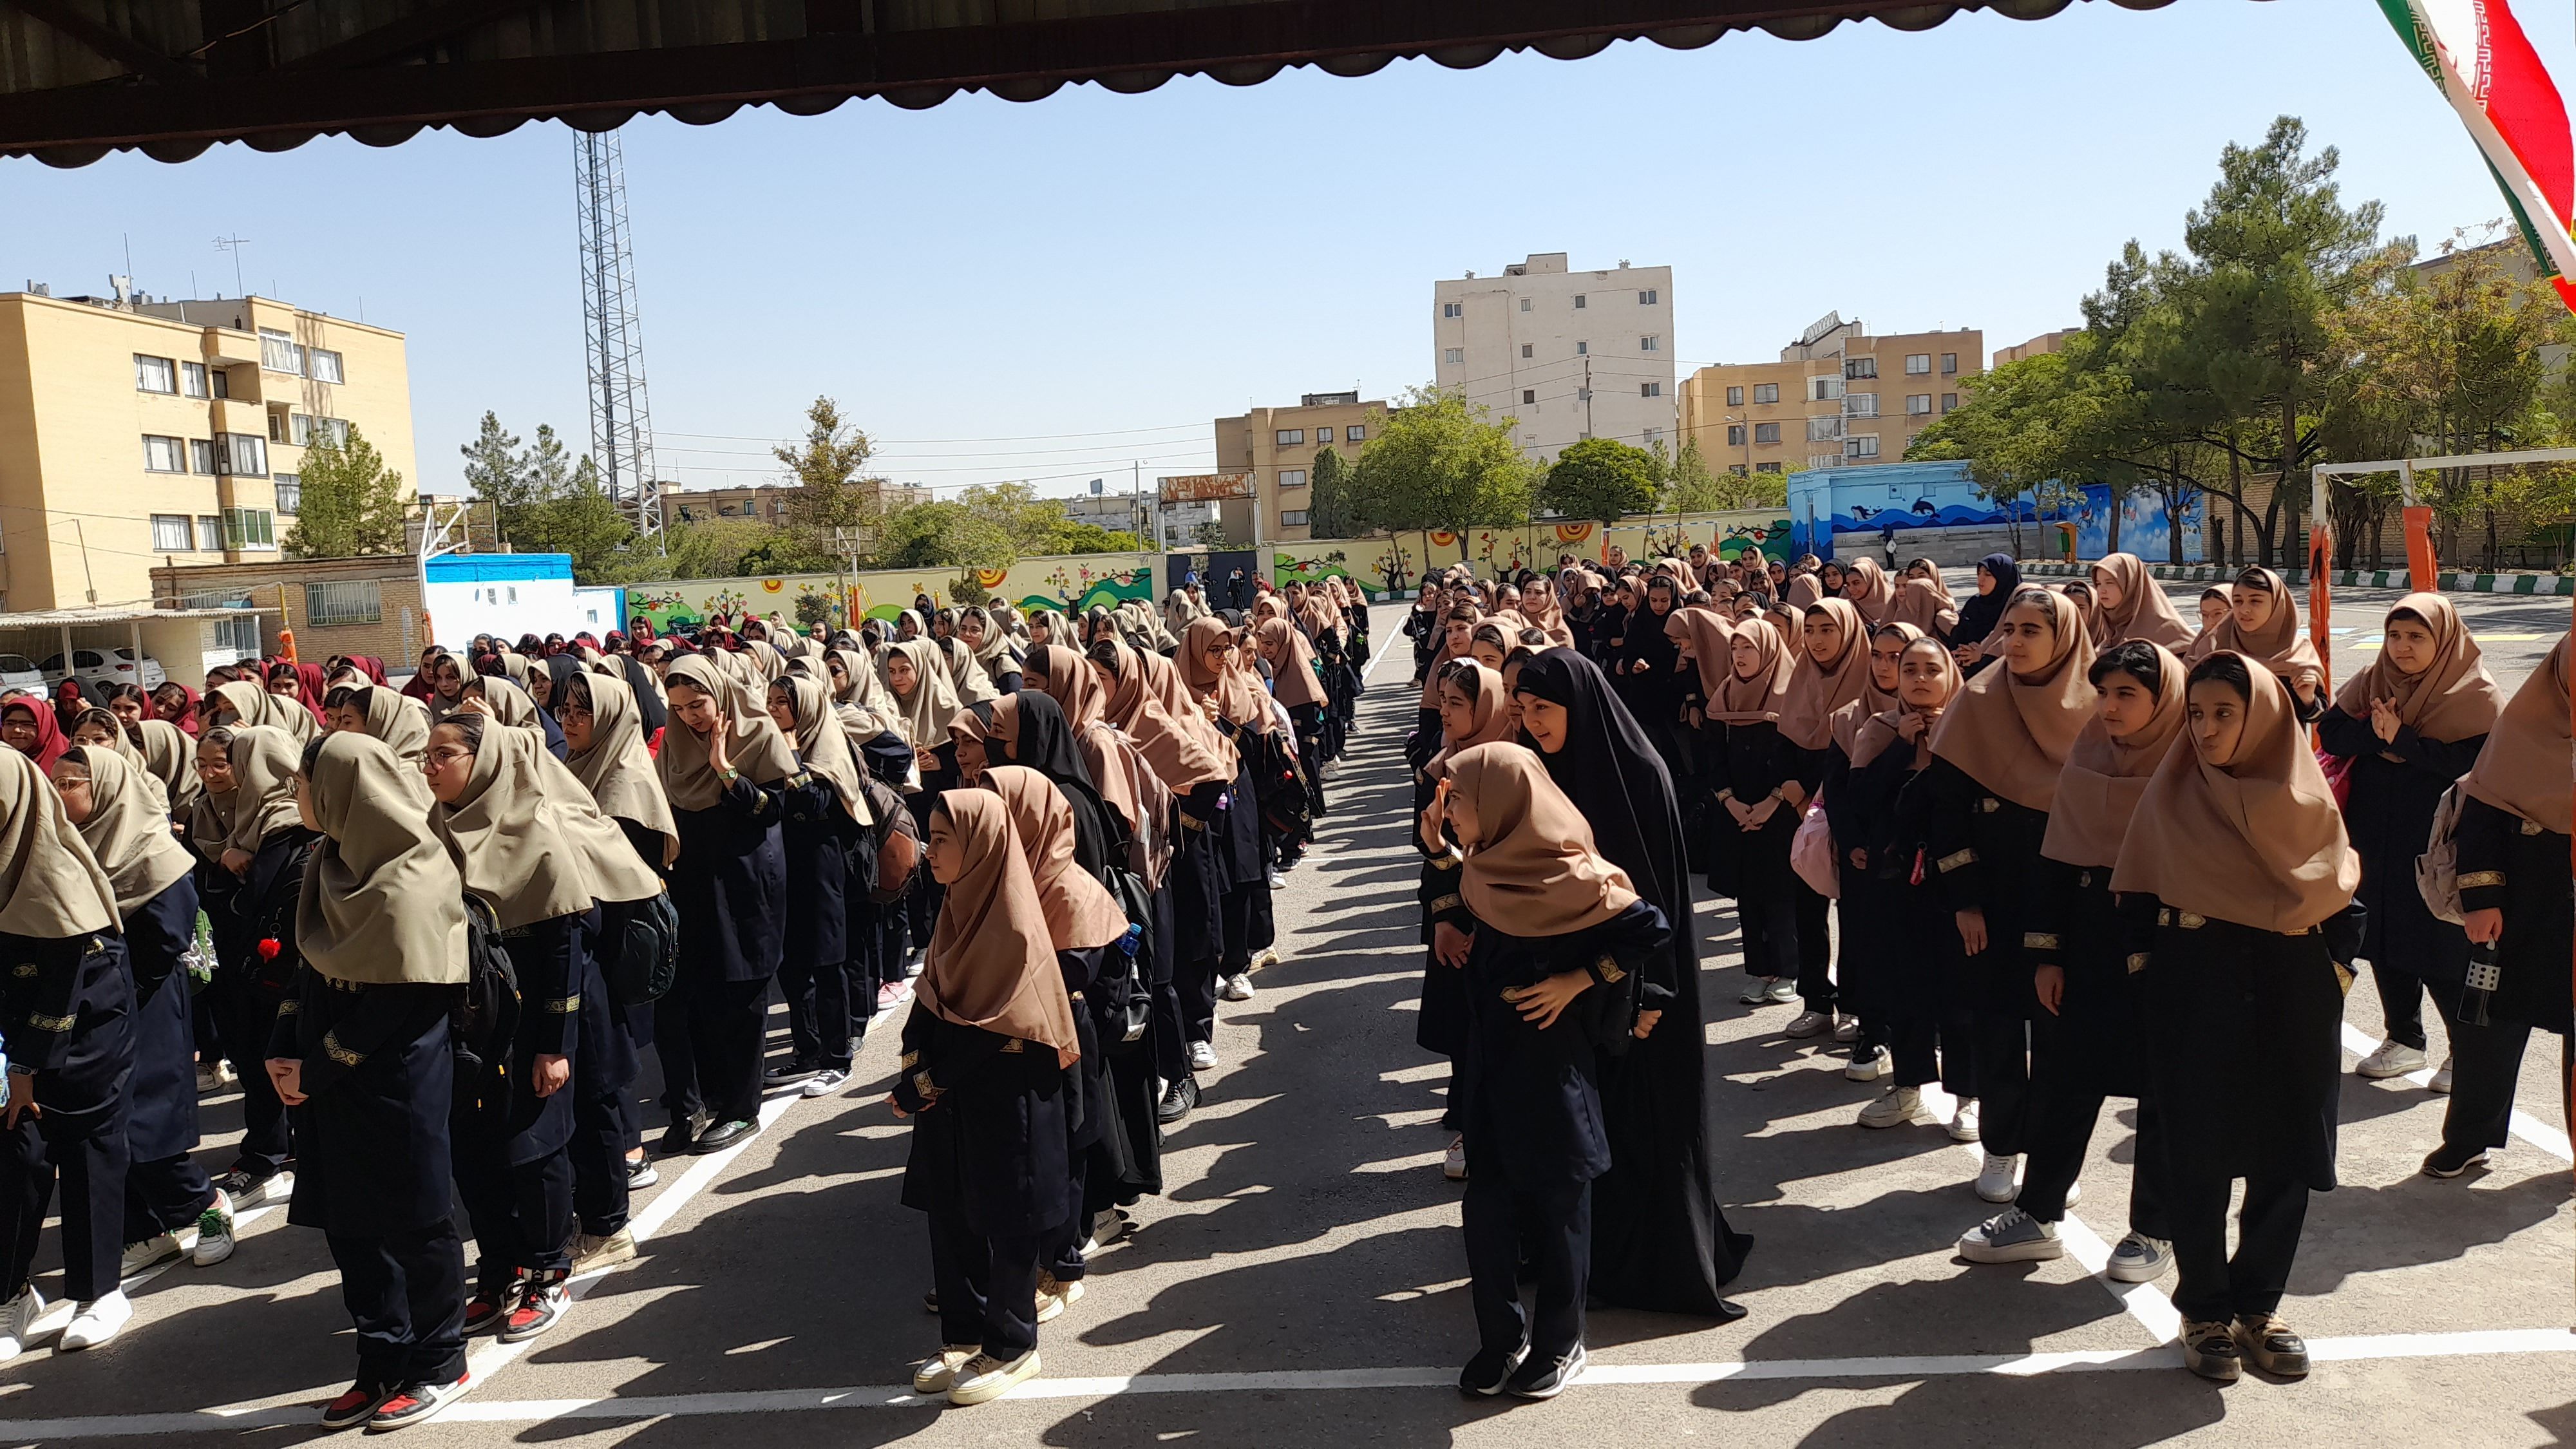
pixel 355 1407
pixel 416 1402
pixel 541 1301
pixel 485 1309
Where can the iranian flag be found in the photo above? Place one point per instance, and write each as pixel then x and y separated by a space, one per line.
pixel 2477 53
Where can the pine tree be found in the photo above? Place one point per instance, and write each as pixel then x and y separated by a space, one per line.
pixel 353 505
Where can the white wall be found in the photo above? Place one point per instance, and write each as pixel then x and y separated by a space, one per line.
pixel 1493 327
pixel 509 608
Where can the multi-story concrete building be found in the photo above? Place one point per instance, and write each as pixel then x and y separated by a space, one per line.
pixel 2044 343
pixel 1837 398
pixel 1568 355
pixel 1275 448
pixel 135 432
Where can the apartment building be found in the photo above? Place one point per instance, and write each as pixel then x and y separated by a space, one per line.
pixel 1569 355
pixel 136 432
pixel 1275 448
pixel 2044 343
pixel 765 503
pixel 1838 397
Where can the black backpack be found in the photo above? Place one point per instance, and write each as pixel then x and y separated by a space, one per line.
pixel 486 1017
pixel 1127 981
pixel 639 948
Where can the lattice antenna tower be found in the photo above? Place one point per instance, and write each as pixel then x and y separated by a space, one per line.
pixel 621 420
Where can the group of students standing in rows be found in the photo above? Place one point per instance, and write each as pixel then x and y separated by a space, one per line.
pixel 444 922
pixel 2044 845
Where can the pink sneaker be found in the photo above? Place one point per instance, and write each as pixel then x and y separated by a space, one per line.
pixel 891 995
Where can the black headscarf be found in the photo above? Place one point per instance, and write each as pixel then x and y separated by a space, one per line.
pixel 559 667
pixel 648 694
pixel 1045 744
pixel 1659 1241
pixel 1978 615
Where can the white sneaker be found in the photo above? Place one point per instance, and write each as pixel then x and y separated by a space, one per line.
pixel 2011 1236
pixel 152 1251
pixel 891 995
pixel 1278 882
pixel 2393 1059
pixel 591 1252
pixel 2000 1178
pixel 1867 1067
pixel 1810 1023
pixel 26 1321
pixel 1235 988
pixel 1055 1295
pixel 2139 1259
pixel 2074 1193
pixel 1269 957
pixel 1964 1126
pixel 984 1378
pixel 2441 1082
pixel 824 1083
pixel 1109 1225
pixel 1202 1056
pixel 215 1241
pixel 98 1320
pixel 1453 1163
pixel 1895 1107
pixel 208 1079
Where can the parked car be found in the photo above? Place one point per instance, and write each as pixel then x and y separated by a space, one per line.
pixel 17 671
pixel 108 666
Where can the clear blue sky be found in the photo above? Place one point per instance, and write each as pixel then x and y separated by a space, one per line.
pixel 1013 275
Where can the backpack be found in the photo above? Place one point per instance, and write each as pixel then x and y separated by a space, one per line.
pixel 1133 996
pixel 2437 870
pixel 639 948
pixel 896 839
pixel 485 1018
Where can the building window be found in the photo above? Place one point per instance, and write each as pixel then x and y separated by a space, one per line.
pixel 1949 402
pixel 1578 301
pixel 1292 518
pixel 1824 429
pixel 290 493
pixel 1323 436
pixel 1448 309
pixel 155 374
pixel 337 430
pixel 1860 367
pixel 1650 389
pixel 1647 297
pixel 1735 397
pixel 279 353
pixel 170 533
pixel 162 455
pixel 1525 304
pixel 1860 447
pixel 192 378
pixel 1289 437
pixel 1583 349
pixel 201 456
pixel 1918 364
pixel 1949 364
pixel 356 601
pixel 1766 392
pixel 1735 468
pixel 1735 435
pixel 1525 349
pixel 1354 432
pixel 249 529
pixel 1860 404
pixel 1453 354
pixel 241 455
pixel 1649 344
pixel 1292 477
pixel 1827 388
pixel 277 427
pixel 1528 395
pixel 299 429
pixel 210 533
pixel 1918 404
pixel 1766 467
pixel 1766 432
pixel 325 366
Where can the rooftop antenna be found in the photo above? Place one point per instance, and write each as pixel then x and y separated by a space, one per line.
pixel 621 425
pixel 234 244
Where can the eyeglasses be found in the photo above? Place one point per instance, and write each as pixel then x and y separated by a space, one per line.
pixel 447 755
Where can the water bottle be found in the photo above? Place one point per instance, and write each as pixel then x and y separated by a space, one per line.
pixel 1133 941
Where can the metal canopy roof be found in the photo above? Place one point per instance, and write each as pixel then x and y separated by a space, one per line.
pixel 81 78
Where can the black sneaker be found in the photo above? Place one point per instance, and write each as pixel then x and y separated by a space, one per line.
pixel 486 1307
pixel 2272 1346
pixel 789 1075
pixel 415 1404
pixel 541 1303
pixel 355 1407
pixel 723 1135
pixel 2447 1161
pixel 1177 1102
pixel 1538 1378
pixel 2209 1350
pixel 1487 1373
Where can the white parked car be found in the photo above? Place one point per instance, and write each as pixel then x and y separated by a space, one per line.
pixel 17 671
pixel 109 666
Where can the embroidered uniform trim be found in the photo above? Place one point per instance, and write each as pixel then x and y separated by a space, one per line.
pixel 338 1053
pixel 1988 805
pixel 2477 878
pixel 1949 863
pixel 1445 903
pixel 23 968
pixel 1451 861
pixel 921 1083
pixel 2138 963
pixel 565 1006
pixel 907 1061
pixel 38 1021
pixel 2038 941
pixel 2533 827
pixel 1014 1046
pixel 1611 973
pixel 289 1008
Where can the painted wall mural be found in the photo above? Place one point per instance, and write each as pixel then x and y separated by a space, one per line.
pixel 1387 566
pixel 1068 583
pixel 1907 497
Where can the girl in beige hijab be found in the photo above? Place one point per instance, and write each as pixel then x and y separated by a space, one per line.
pixel 2407 726
pixel 1119 771
pixel 1294 683
pixel 985 1051
pixel 170 757
pixel 604 739
pixel 1867 586
pixel 2238 848
pixel 2133 607
pixel 264 766
pixel 402 723
pixel 1998 750
pixel 822 970
pixel 991 644
pixel 2263 623
pixel 364 1050
pixel 925 701
pixel 1756 771
pixel 244 702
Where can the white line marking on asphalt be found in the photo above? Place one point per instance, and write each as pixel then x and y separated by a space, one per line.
pixel 2525 1126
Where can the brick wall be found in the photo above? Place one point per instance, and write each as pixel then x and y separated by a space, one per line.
pixel 282 585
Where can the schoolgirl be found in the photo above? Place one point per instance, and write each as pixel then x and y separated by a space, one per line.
pixel 1748 851
pixel 826 813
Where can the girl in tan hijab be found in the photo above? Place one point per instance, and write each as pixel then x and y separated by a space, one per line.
pixel 2407 726
pixel 822 969
pixel 925 701
pixel 1855 946
pixel 1293 682
pixel 1474 710
pixel 1833 672
pixel 2240 852
pixel 246 898
pixel 402 723
pixel 2263 623
pixel 604 740
pixel 2086 1039
pixel 985 1052
pixel 123 819
pixel 1127 784
pixel 170 757
pixel 992 647
pixel 2511 853
pixel 2133 607
pixel 1867 586
pixel 1998 752
pixel 244 702
pixel 1756 772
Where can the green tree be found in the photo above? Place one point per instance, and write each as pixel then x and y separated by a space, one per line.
pixel 353 506
pixel 946 533
pixel 1441 462
pixel 1328 503
pixel 1601 479
pixel 577 518
pixel 1210 534
pixel 1689 486
pixel 497 469
pixel 827 469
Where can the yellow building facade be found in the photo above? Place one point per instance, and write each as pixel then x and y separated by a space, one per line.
pixel 136 433
pixel 1277 447
pixel 1838 397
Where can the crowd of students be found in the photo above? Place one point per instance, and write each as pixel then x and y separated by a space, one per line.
pixel 432 931
pixel 2046 845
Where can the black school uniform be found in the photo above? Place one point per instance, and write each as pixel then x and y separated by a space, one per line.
pixel 818 836
pixel 729 886
pixel 252 979
pixel 373 1166
pixel 1198 880
pixel 1246 923
pixel 2519 867
pixel 1816 987
pixel 165 1188
pixel 2388 811
pixel 2092 1048
pixel 1984 855
pixel 513 1158
pixel 609 1038
pixel 988 1165
pixel 1087 1110
pixel 67 1008
pixel 1753 866
pixel 1915 973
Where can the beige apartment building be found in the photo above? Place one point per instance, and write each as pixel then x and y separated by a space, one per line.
pixel 136 433
pixel 2039 346
pixel 1567 355
pixel 1276 448
pixel 1837 398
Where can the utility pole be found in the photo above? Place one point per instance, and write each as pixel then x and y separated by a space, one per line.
pixel 232 244
pixel 1587 394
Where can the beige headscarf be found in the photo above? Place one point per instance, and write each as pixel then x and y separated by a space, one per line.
pixel 991 962
pixel 2281 645
pixel 1873 701
pixel 1080 912
pixel 529 841
pixel 1765 696
pixel 1709 639
pixel 2523 765
pixel 933 702
pixel 822 745
pixel 1877 595
pixel 1818 689
pixel 1549 617
pixel 2010 734
pixel 210 819
pixel 399 721
pixel 2254 839
pixel 2143 611
pixel 1163 683
pixel 753 745
pixel 511 703
pixel 1176 753
pixel 1292 664
pixel 2452 700
pixel 2098 791
pixel 171 757
pixel 382 902
pixel 264 761
pixel 994 656
pixel 128 830
pixel 1075 687
pixel 1881 730
pixel 439 705
pixel 618 769
pixel 1926 604
pixel 1237 692
pixel 1491 713
pixel 255 706
pixel 1532 868
pixel 866 689
pixel 50 885
pixel 966 676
